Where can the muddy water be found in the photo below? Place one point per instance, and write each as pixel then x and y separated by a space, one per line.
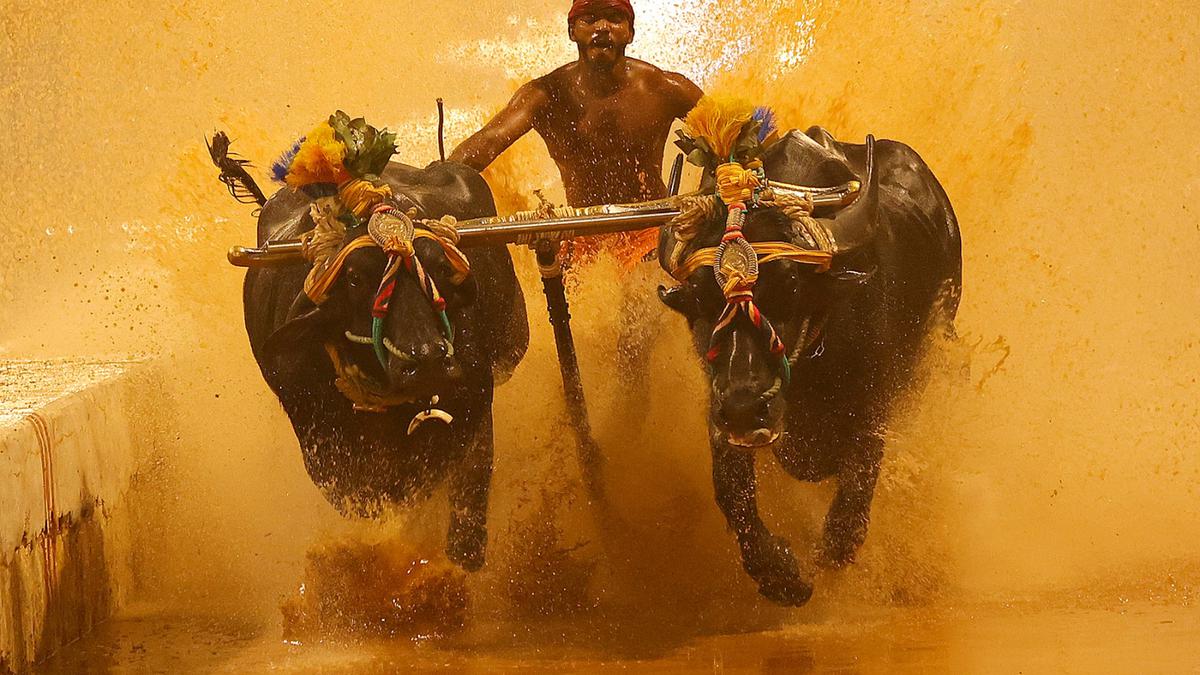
pixel 1033 512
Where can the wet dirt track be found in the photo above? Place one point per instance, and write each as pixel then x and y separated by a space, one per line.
pixel 1032 516
pixel 984 639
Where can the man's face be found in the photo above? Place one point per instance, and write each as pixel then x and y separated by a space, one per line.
pixel 602 35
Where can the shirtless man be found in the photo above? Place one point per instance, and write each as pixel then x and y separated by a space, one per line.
pixel 605 117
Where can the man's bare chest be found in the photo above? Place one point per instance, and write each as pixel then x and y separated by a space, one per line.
pixel 624 121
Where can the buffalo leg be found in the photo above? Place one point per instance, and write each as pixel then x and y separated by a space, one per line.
pixel 767 558
pixel 466 540
pixel 846 522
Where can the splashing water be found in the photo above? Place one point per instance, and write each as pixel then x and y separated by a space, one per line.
pixel 353 588
pixel 1049 460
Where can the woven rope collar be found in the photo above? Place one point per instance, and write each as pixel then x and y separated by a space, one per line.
pixel 735 262
pixel 395 233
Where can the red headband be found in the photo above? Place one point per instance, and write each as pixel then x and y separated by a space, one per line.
pixel 580 6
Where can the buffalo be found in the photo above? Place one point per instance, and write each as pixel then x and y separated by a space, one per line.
pixel 428 417
pixel 852 334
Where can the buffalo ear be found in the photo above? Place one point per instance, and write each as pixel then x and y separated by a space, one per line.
pixel 307 323
pixel 679 298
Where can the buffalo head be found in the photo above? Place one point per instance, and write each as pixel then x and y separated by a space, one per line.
pixel 397 328
pixel 751 353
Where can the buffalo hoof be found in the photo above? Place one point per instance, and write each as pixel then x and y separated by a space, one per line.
pixel 466 543
pixel 770 562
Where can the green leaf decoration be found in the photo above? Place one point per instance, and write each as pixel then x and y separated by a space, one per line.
pixel 699 158
pixel 696 150
pixel 747 147
pixel 368 149
pixel 684 142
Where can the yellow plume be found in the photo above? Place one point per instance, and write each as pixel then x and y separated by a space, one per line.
pixel 319 159
pixel 719 121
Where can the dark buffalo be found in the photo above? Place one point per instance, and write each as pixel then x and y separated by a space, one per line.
pixel 854 333
pixel 364 460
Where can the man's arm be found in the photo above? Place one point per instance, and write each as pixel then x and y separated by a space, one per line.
pixel 511 123
pixel 683 93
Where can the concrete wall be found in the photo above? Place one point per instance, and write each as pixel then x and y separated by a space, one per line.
pixel 72 434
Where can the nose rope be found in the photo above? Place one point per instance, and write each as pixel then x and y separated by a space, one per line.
pixel 394 232
pixel 735 266
pixel 735 261
pixel 400 254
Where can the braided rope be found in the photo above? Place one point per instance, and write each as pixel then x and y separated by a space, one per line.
pixel 324 273
pixel 799 210
pixel 325 239
pixel 445 231
pixel 737 183
pixel 402 253
pixel 737 279
pixel 741 300
pixel 361 197
pixel 321 247
pixel 694 211
pixel 767 251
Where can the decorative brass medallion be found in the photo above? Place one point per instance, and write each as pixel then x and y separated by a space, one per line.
pixel 393 231
pixel 735 259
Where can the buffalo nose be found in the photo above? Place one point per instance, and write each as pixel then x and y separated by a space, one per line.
pixel 436 359
pixel 431 351
pixel 744 408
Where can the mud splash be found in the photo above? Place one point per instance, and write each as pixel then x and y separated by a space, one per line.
pixel 544 575
pixel 1059 465
pixel 352 589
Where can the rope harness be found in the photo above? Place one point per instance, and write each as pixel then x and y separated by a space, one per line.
pixel 394 232
pixel 735 261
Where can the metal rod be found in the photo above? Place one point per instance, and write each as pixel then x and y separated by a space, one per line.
pixel 588 221
pixel 270 254
pixel 676 175
pixel 500 231
pixel 441 129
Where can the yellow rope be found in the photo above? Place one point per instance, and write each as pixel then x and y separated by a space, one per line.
pixel 361 196
pixel 321 278
pixel 767 251
pixel 736 183
pixel 694 211
pixel 799 210
pixel 325 239
pixel 445 232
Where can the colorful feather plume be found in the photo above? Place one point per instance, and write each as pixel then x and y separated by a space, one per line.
pixel 279 169
pixel 319 159
pixel 719 123
pixel 334 152
pixel 767 124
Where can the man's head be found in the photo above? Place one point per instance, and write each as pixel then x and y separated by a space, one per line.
pixel 602 29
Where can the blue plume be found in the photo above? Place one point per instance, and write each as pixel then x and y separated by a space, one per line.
pixel 766 122
pixel 279 169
